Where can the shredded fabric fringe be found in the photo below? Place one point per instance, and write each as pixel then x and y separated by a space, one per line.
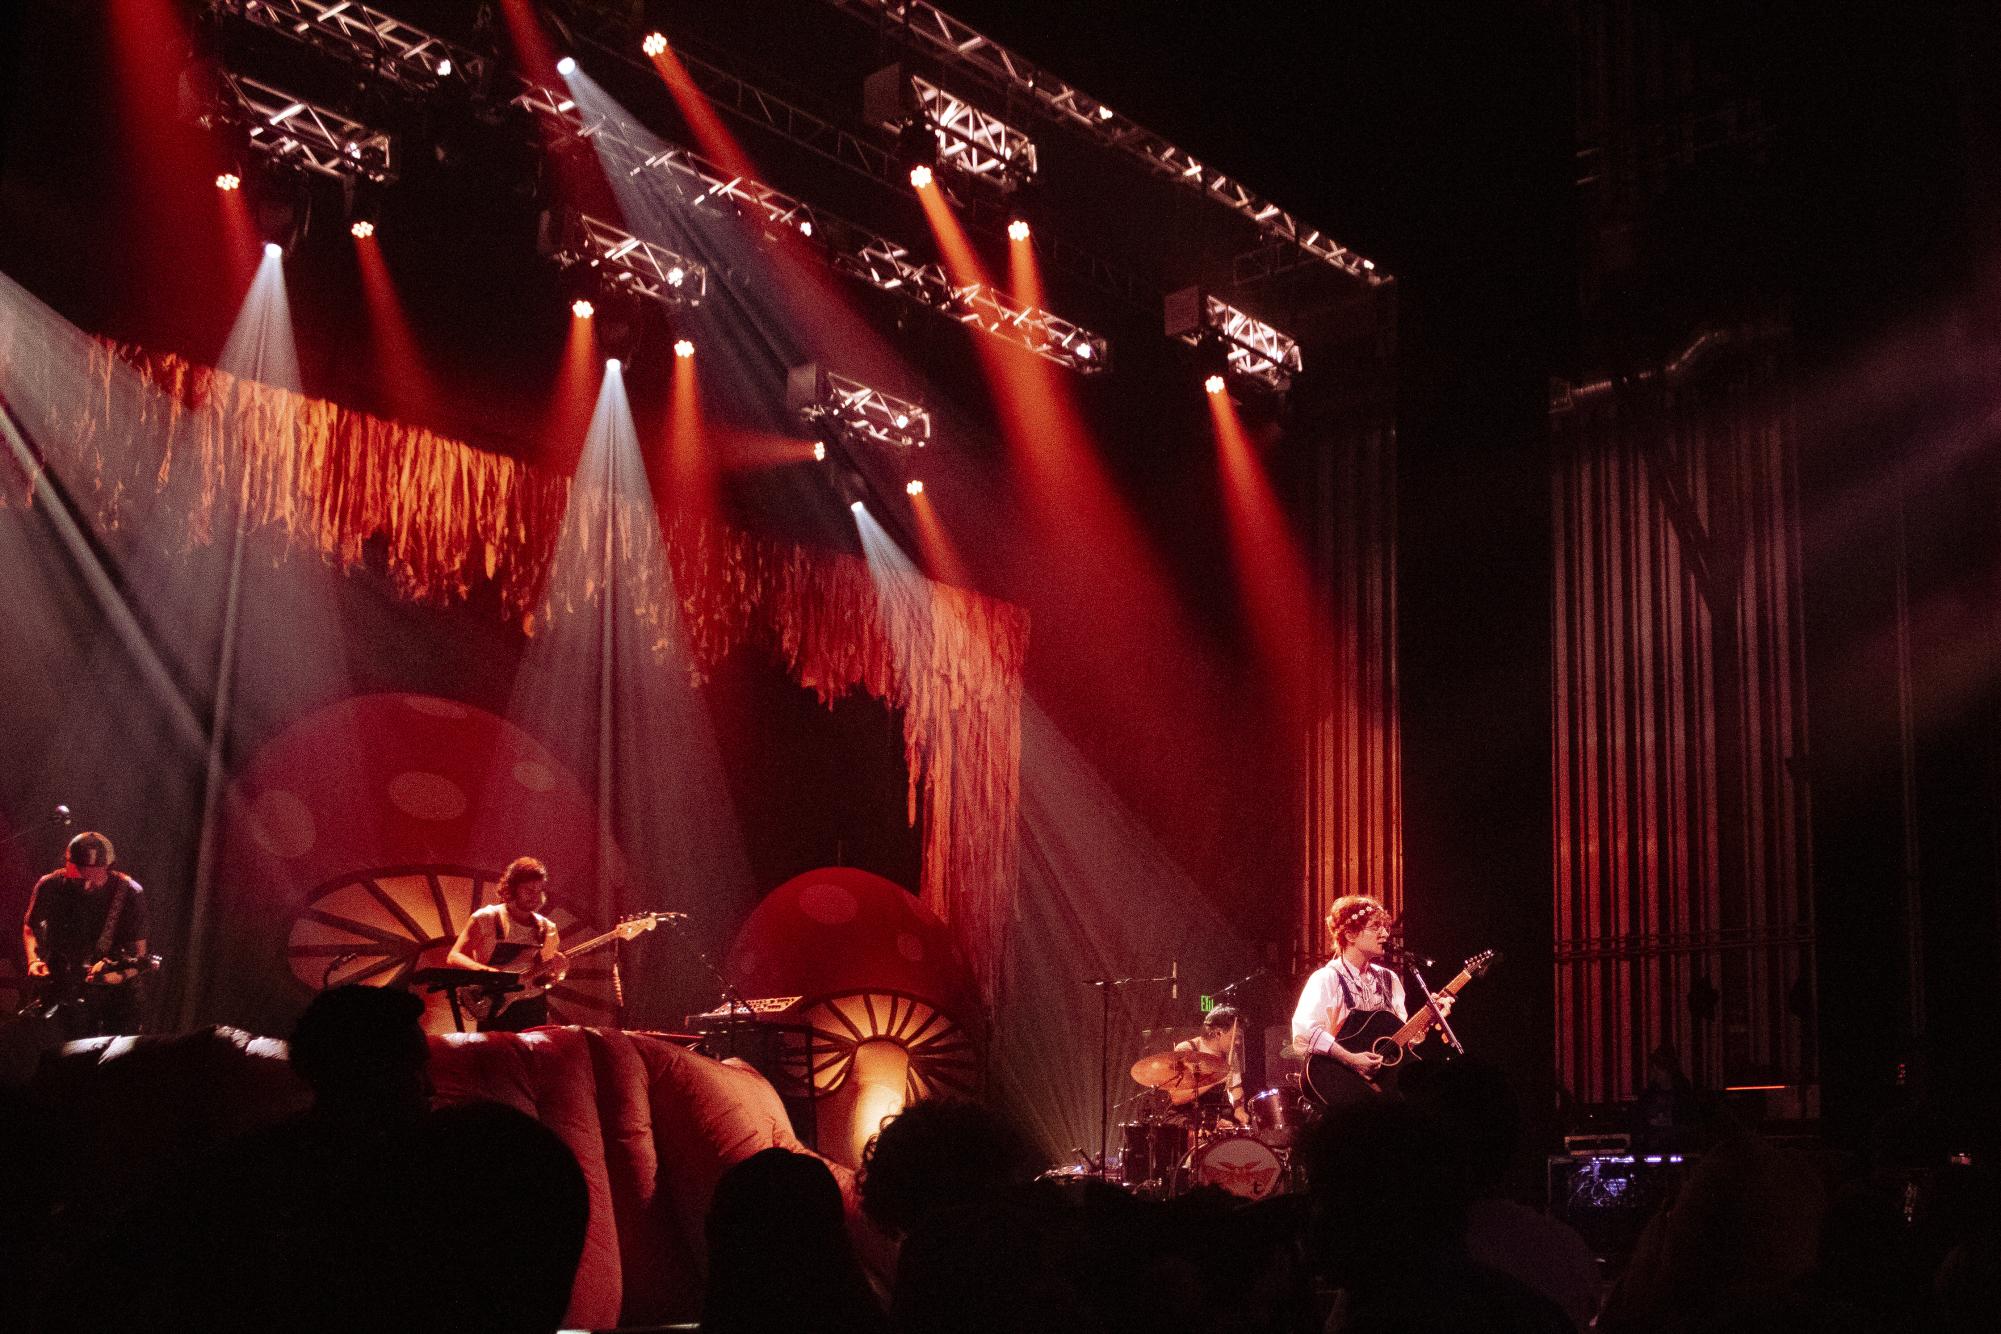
pixel 177 450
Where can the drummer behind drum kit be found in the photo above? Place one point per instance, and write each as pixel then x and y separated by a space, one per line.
pixel 1165 1151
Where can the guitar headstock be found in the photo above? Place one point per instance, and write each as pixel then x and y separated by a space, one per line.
pixel 1478 965
pixel 639 923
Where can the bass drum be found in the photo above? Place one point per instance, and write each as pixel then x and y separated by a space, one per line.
pixel 1240 1163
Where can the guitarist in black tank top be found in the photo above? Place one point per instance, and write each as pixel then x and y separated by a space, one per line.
pixel 1353 982
pixel 513 936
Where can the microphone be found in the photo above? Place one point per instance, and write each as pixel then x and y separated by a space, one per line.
pixel 1174 980
pixel 62 816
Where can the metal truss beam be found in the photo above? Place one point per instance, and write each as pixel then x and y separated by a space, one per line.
pixel 826 397
pixel 1255 349
pixel 965 49
pixel 850 249
pixel 403 55
pixel 652 271
pixel 975 142
pixel 295 132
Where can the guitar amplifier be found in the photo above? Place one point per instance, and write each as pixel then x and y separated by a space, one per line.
pixel 1609 1196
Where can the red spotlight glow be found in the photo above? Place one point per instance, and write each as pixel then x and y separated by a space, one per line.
pixel 1214 384
pixel 654 44
pixel 1017 230
pixel 683 348
pixel 582 309
pixel 362 229
pixel 920 176
pixel 229 180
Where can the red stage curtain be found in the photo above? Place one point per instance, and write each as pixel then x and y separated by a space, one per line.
pixel 187 448
pixel 1681 831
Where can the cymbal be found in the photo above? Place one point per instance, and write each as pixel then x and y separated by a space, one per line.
pixel 1180 1071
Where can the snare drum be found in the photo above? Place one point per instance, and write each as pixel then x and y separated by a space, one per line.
pixel 1151 1150
pixel 1240 1163
pixel 1277 1117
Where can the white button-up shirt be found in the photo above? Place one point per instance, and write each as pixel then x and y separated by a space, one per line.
pixel 1345 989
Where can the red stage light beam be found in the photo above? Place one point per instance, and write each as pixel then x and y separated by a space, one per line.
pixel 691 472
pixel 711 136
pixel 1024 273
pixel 934 544
pixel 1272 571
pixel 399 367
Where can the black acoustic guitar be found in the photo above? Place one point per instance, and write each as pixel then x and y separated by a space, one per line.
pixel 1331 1084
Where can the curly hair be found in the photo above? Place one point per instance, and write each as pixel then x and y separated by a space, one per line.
pixel 1349 916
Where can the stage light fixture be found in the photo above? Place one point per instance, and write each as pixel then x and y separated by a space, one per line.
pixel 1214 384
pixel 819 451
pixel 806 228
pixel 228 180
pixel 272 250
pixel 655 43
pixel 611 365
pixel 566 66
pixel 616 260
pixel 683 348
pixel 913 487
pixel 676 276
pixel 1018 230
pixel 856 506
pixel 920 176
pixel 445 68
pixel 582 309
pixel 361 229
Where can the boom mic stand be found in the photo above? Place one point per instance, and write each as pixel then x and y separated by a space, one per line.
pixel 1105 986
pixel 1444 1024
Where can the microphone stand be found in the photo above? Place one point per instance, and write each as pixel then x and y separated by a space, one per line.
pixel 1444 1024
pixel 61 816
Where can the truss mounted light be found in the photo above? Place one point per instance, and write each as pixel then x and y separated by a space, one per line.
pixel 620 260
pixel 883 264
pixel 831 401
pixel 969 140
pixel 1253 348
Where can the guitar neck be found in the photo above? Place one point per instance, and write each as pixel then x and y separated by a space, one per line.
pixel 1420 1021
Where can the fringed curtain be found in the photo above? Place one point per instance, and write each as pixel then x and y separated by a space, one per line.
pixel 191 446
pixel 1683 911
pixel 1354 762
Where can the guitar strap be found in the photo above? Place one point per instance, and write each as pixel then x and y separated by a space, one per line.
pixel 111 916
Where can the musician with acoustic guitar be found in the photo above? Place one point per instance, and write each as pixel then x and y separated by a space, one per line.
pixel 512 937
pixel 1354 982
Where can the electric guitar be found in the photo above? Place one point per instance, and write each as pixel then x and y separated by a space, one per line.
pixel 1332 1084
pixel 75 986
pixel 542 974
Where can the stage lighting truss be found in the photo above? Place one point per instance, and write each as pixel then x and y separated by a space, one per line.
pixel 963 48
pixel 846 247
pixel 1256 350
pixel 395 51
pixel 827 399
pixel 295 133
pixel 624 260
pixel 969 140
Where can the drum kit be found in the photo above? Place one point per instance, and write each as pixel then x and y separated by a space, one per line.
pixel 1185 1135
